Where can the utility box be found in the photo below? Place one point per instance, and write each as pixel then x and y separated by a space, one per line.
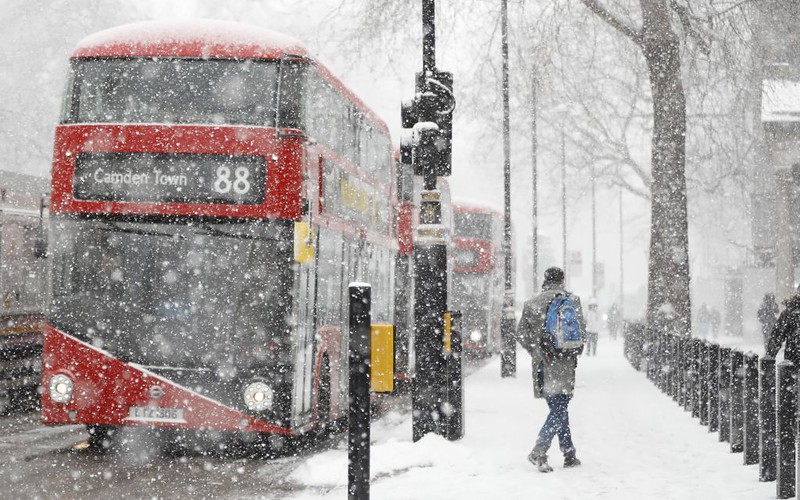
pixel 382 357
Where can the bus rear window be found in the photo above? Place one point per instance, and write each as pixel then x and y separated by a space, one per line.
pixel 161 90
pixel 473 225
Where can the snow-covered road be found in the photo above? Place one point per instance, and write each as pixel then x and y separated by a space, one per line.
pixel 634 441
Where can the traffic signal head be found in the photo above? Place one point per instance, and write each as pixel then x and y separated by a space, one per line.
pixel 426 149
pixel 430 114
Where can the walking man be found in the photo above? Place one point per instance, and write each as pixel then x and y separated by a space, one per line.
pixel 787 331
pixel 553 368
pixel 768 315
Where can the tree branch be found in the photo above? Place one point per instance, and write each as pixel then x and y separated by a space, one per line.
pixel 688 27
pixel 613 21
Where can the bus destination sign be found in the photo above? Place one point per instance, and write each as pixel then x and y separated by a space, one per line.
pixel 170 178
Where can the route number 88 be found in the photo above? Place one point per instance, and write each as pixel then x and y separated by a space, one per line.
pixel 240 183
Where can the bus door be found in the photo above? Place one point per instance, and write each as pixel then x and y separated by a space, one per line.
pixel 305 279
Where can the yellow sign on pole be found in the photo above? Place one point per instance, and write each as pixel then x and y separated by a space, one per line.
pixel 382 357
pixel 303 242
pixel 448 323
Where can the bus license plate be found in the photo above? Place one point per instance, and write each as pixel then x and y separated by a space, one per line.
pixel 155 414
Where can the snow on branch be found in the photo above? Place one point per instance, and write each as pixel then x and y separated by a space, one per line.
pixel 613 21
pixel 689 28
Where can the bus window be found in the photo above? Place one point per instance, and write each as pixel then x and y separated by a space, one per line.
pixel 153 90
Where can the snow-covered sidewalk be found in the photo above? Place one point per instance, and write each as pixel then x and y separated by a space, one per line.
pixel 634 442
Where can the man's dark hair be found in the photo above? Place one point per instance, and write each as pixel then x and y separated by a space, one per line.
pixel 554 275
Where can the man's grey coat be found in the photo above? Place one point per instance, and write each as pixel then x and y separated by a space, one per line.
pixel 559 370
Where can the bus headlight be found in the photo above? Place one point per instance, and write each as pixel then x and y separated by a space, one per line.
pixel 61 388
pixel 258 396
pixel 475 335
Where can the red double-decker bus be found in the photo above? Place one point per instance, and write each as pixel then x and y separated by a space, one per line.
pixel 478 282
pixel 214 191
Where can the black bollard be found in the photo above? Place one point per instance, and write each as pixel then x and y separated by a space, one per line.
pixel 750 409
pixel 691 364
pixel 691 378
pixel 359 408
pixel 670 368
pixel 737 401
pixel 766 420
pixel 663 353
pixel 694 404
pixel 682 364
pixel 686 363
pixel 724 394
pixel 785 431
pixel 653 358
pixel 453 410
pixel 713 388
pixel 705 351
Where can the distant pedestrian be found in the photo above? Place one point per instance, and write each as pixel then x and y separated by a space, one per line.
pixel 614 320
pixel 553 367
pixel 767 316
pixel 592 328
pixel 716 319
pixel 703 320
pixel 787 331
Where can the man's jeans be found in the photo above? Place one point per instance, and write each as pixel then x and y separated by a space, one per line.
pixel 557 423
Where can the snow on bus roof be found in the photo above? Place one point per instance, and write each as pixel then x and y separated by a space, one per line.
pixel 194 38
pixel 204 38
pixel 466 205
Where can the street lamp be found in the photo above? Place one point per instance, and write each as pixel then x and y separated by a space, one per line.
pixel 534 181
pixel 508 355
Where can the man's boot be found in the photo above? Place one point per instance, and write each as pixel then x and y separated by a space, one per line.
pixel 571 460
pixel 540 461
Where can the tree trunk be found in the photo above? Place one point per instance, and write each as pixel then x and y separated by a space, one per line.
pixel 668 302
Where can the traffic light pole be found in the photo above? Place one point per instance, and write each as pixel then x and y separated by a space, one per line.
pixel 429 115
pixel 508 355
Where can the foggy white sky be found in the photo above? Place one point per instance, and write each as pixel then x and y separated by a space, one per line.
pixel 39 36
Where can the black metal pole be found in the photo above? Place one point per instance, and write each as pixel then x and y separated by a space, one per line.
pixel 359 407
pixel 534 182
pixel 785 428
pixel 428 35
pixel 453 412
pixel 681 370
pixel 430 303
pixel 750 409
pixel 766 419
pixel 694 370
pixel 689 371
pixel 705 353
pixel 713 388
pixel 725 394
pixel 434 104
pixel 660 361
pixel 563 202
pixel 594 233
pixel 508 358
pixel 673 366
pixel 737 401
pixel 621 258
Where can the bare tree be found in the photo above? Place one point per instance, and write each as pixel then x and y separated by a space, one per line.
pixel 678 86
pixel 668 273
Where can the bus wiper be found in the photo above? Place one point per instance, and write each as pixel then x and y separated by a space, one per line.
pixel 137 230
pixel 210 229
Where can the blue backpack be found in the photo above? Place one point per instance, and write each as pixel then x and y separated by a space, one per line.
pixel 562 324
